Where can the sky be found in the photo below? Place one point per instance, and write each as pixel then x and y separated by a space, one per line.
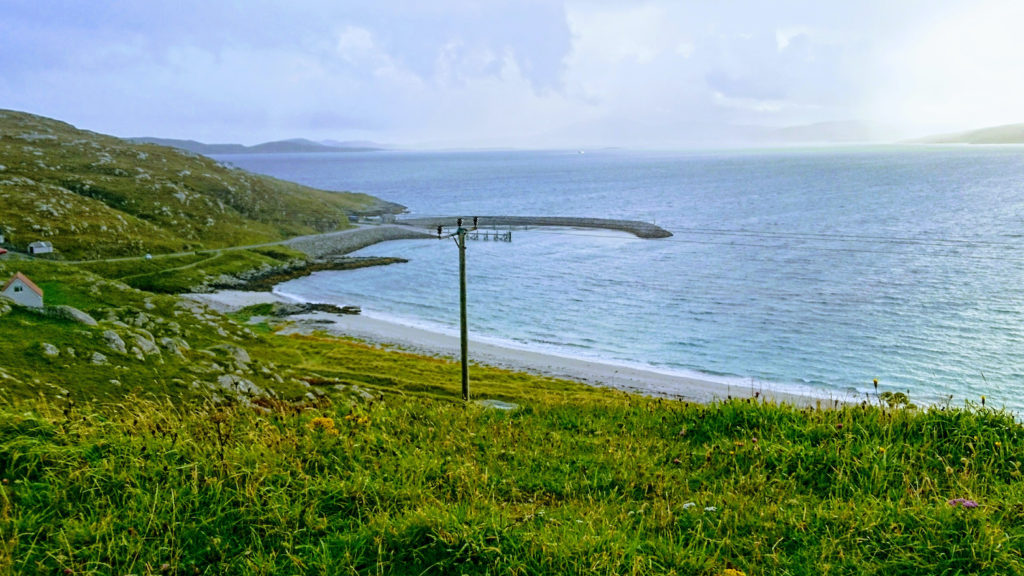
pixel 513 73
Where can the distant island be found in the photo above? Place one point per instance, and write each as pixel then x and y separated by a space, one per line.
pixel 291 146
pixel 1005 134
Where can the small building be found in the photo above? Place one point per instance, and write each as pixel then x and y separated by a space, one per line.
pixel 23 291
pixel 40 247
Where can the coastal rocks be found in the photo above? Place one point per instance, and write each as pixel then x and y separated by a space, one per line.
pixel 144 342
pixel 239 356
pixel 73 314
pixel 207 317
pixel 360 393
pixel 281 309
pixel 191 307
pixel 176 346
pixel 242 390
pixel 114 341
pixel 265 278
pixel 268 372
pixel 237 384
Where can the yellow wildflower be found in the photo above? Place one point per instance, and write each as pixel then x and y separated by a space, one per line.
pixel 325 425
pixel 358 419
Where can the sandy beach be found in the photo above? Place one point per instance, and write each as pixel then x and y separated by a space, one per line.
pixel 427 342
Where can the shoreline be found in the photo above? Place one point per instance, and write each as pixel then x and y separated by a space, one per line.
pixel 432 343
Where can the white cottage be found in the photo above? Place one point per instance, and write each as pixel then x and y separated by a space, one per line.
pixel 23 291
pixel 40 247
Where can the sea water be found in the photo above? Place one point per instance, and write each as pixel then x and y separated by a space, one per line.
pixel 817 268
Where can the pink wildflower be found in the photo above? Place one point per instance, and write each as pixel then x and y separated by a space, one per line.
pixel 965 502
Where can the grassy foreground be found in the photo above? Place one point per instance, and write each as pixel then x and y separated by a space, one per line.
pixel 572 481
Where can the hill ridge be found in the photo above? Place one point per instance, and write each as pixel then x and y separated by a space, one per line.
pixel 94 195
pixel 1001 134
pixel 288 146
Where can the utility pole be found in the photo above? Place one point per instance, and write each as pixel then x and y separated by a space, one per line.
pixel 462 310
pixel 460 241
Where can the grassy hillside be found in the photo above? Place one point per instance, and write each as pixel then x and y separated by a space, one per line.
pixel 96 196
pixel 159 346
pixel 135 342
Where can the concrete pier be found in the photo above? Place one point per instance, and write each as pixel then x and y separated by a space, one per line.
pixel 345 241
pixel 639 229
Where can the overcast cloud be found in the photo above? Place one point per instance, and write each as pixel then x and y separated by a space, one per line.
pixel 510 73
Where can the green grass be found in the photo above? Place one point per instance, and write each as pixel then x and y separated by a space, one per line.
pixel 599 483
pixel 193 271
pixel 143 465
pixel 151 475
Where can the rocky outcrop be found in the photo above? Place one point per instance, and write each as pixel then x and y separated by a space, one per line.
pixel 114 341
pixel 281 309
pixel 234 354
pixel 73 314
pixel 176 346
pixel 145 343
pixel 238 385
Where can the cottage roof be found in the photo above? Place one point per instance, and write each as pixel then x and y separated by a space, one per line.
pixel 19 276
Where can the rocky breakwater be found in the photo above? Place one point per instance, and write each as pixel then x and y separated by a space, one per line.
pixel 345 241
pixel 637 228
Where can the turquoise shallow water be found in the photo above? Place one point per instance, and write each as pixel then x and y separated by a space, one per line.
pixel 817 268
